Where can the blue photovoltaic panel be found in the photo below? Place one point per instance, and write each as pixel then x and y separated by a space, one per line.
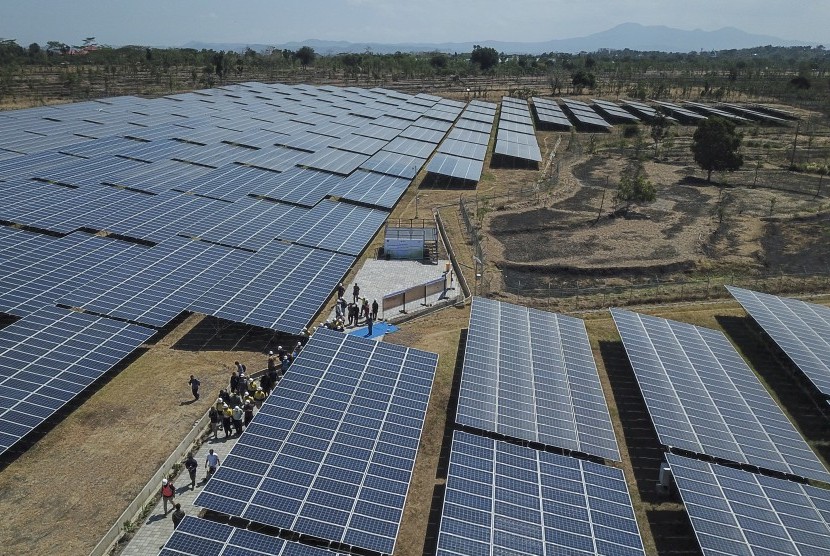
pixel 737 512
pixel 34 279
pixel 247 223
pixel 159 283
pixel 394 164
pixel 469 136
pixel 518 149
pixel 423 134
pixel 480 127
pixel 801 330
pixel 530 375
pixel 614 110
pixel 281 287
pixel 229 183
pixel 359 144
pixel 49 357
pixel 410 147
pixel 463 149
pixel 297 185
pixel 703 398
pixel 160 217
pixel 200 537
pixel 371 188
pixel 335 226
pixel 159 176
pixel 455 167
pixel 503 499
pixel 332 450
pixel 335 161
pixel 278 159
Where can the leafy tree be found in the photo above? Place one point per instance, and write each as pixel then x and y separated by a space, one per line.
pixel 800 82
pixel 634 188
pixel 306 55
pixel 582 79
pixel 659 131
pixel 715 145
pixel 439 60
pixel 34 50
pixel 486 57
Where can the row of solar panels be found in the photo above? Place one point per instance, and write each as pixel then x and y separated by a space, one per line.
pixel 461 155
pixel 516 137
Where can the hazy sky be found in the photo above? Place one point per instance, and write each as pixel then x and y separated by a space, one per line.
pixel 175 22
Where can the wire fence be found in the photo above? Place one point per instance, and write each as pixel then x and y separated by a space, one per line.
pixel 595 296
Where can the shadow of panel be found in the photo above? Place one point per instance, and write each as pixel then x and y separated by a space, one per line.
pixel 796 395
pixel 644 448
pixel 214 334
pixel 673 533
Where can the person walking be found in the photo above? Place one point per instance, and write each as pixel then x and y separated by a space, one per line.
pixel 369 326
pixel 194 386
pixel 248 411
pixel 355 292
pixel 215 419
pixel 178 515
pixel 168 493
pixel 375 308
pixel 211 463
pixel 259 397
pixel 285 364
pixel 341 290
pixel 192 466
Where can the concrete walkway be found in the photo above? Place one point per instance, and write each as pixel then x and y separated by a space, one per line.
pixel 157 528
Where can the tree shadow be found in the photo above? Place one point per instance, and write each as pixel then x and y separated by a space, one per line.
pixel 672 532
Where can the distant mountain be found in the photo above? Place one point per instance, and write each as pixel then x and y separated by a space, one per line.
pixel 627 35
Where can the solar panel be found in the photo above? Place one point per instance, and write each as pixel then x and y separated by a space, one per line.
pixel 518 150
pixel 614 110
pixel 711 110
pixel 423 134
pixel 49 357
pixel 281 287
pixel 336 226
pixel 331 452
pixel 679 112
pixel 337 162
pixel 394 164
pixel 230 183
pixel 505 499
pixel 358 144
pixel 297 185
pixel 480 127
pixel 159 176
pixel 432 123
pixel 158 284
pixel 200 537
pixel 486 118
pixel 455 167
pixel 378 132
pixel 463 149
pixel 470 136
pixel 34 279
pixel 278 159
pixel 530 375
pixel 410 147
pixel 703 398
pixel 736 512
pixel 799 329
pixel 246 224
pixel 371 188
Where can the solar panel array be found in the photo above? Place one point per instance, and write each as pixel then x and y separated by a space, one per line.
pixel 703 398
pixel 530 375
pixel 549 113
pixel 515 118
pixel 199 537
pixel 645 111
pixel 679 112
pixel 461 155
pixel 801 330
pixel 712 111
pixel 584 114
pixel 614 111
pixel 331 452
pixel 737 512
pixel 506 499
pixel 49 357
pixel 752 114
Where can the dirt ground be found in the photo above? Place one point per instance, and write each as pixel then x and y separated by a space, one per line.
pixel 693 226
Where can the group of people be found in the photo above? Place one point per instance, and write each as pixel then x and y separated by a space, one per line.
pixel 168 489
pixel 351 313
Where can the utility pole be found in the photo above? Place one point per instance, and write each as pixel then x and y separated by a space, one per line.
pixel 795 142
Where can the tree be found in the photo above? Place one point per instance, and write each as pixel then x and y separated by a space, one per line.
pixel 715 145
pixel 439 60
pixel 306 55
pixel 800 82
pixel 582 79
pixel 659 131
pixel 34 50
pixel 485 57
pixel 635 188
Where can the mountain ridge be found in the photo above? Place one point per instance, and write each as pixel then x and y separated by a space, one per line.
pixel 632 36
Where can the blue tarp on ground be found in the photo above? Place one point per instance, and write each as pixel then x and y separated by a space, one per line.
pixel 378 329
